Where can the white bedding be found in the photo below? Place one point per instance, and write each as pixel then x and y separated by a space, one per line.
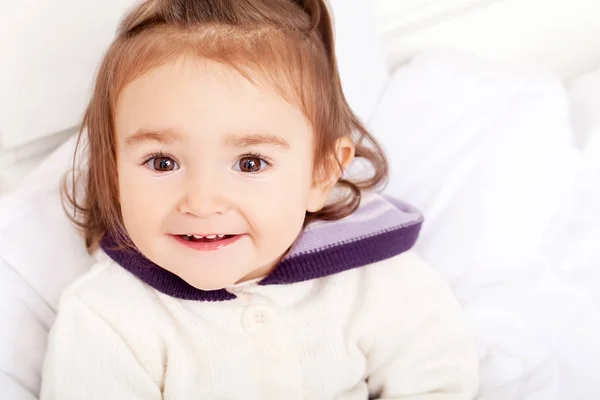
pixel 563 305
pixel 573 247
pixel 561 35
pixel 573 243
pixel 487 151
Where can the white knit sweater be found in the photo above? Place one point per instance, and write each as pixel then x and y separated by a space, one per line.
pixel 390 330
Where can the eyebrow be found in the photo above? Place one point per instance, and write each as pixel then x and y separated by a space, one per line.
pixel 238 140
pixel 241 140
pixel 162 137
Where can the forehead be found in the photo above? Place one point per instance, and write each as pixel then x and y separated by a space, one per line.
pixel 203 96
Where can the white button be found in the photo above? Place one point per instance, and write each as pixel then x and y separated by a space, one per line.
pixel 258 319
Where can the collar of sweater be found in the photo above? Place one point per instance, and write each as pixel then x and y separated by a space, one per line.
pixel 380 228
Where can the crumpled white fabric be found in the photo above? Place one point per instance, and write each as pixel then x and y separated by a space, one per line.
pixel 487 152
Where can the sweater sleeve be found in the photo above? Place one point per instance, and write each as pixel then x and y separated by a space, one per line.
pixel 87 359
pixel 420 346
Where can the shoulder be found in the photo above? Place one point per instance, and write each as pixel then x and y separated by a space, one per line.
pixel 408 284
pixel 406 269
pixel 403 281
pixel 107 279
pixel 404 293
pixel 110 292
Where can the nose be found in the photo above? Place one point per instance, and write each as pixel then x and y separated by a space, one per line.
pixel 204 195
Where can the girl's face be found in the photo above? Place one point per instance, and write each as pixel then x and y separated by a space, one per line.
pixel 203 152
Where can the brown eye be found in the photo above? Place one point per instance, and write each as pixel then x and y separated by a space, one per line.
pixel 251 164
pixel 162 164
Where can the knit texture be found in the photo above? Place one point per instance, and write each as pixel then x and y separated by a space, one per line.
pixel 388 330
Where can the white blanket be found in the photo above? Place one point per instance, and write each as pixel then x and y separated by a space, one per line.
pixel 488 153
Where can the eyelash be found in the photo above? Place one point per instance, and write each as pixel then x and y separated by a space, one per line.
pixel 154 155
pixel 258 156
pixel 250 154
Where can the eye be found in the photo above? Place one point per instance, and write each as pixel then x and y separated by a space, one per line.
pixel 162 164
pixel 250 164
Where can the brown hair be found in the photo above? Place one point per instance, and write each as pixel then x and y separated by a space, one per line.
pixel 288 44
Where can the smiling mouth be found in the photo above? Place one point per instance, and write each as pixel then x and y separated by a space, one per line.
pixel 205 239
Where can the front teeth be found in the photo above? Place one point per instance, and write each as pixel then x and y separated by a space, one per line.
pixel 190 237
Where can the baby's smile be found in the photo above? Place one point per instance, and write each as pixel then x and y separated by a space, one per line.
pixel 209 242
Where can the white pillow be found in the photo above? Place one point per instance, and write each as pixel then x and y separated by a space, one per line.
pixel 359 50
pixel 51 49
pixel 40 254
pixel 482 148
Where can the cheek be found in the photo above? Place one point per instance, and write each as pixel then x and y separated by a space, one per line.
pixel 280 206
pixel 144 202
pixel 132 209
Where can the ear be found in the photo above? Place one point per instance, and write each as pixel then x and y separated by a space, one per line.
pixel 326 180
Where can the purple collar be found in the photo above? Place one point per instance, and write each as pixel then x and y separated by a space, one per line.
pixel 380 228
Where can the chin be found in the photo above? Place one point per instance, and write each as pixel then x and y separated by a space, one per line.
pixel 209 277
pixel 210 284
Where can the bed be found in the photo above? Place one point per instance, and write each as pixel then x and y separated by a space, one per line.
pixel 491 132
